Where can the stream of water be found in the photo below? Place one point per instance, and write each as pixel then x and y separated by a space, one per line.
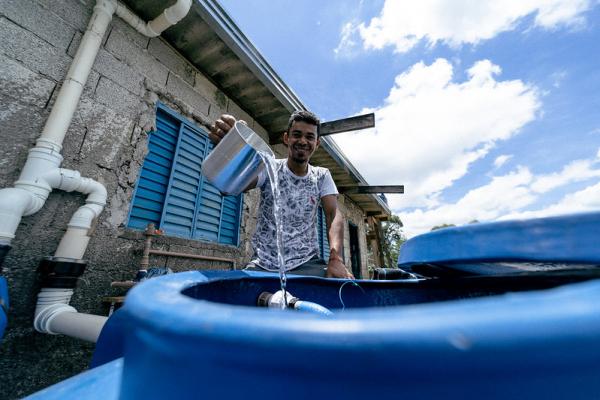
pixel 273 174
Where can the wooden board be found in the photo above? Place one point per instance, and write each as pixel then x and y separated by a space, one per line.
pixel 371 189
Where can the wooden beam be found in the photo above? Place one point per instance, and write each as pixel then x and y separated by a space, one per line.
pixel 340 125
pixel 371 189
pixel 348 124
pixel 378 215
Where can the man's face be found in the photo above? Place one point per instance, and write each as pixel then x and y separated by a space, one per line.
pixel 302 141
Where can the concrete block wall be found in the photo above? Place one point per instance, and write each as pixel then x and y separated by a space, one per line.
pixel 106 141
pixel 355 214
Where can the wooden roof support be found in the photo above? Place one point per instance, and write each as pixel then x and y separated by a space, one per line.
pixel 340 125
pixel 377 215
pixel 348 124
pixel 367 189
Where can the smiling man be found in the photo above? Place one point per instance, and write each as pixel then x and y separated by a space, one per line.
pixel 301 188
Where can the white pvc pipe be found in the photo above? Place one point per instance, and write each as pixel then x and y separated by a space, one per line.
pixel 78 325
pixel 68 97
pixel 13 203
pixel 53 315
pixel 75 241
pixel 41 173
pixel 167 18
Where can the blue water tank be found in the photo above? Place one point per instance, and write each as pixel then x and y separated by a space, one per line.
pixel 540 344
pixel 565 239
pixel 3 305
pixel 197 334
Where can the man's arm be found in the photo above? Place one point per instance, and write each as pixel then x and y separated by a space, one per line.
pixel 335 233
pixel 219 129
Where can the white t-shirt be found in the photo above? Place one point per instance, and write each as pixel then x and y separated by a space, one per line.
pixel 299 203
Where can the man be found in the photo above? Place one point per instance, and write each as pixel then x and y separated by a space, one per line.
pixel 301 187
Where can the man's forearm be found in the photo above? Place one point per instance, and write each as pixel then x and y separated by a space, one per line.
pixel 336 267
pixel 336 236
pixel 335 232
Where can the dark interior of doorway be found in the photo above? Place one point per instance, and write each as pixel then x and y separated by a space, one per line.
pixel 354 250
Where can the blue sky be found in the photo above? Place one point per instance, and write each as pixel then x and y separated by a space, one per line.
pixel 484 110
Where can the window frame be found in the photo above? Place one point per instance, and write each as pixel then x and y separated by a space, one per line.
pixel 183 123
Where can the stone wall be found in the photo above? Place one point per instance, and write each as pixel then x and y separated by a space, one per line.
pixel 106 141
pixel 354 214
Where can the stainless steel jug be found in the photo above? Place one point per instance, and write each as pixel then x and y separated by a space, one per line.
pixel 235 161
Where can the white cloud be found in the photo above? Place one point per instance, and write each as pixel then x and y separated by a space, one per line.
pixel 584 200
pixel 403 24
pixel 501 160
pixel 349 44
pixel 504 194
pixel 576 171
pixel 430 129
pixel 557 78
pixel 505 197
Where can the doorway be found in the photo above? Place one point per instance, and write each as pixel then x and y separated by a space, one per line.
pixel 354 251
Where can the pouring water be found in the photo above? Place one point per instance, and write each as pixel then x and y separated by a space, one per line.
pixel 273 173
pixel 235 163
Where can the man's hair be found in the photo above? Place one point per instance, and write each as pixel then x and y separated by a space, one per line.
pixel 304 116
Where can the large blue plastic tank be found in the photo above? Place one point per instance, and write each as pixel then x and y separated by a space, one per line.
pixel 197 335
pixel 3 305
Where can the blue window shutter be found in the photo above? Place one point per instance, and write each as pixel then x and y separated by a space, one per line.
pixel 185 183
pixel 151 189
pixel 230 215
pixel 208 211
pixel 172 193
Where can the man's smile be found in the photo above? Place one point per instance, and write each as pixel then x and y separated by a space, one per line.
pixel 301 148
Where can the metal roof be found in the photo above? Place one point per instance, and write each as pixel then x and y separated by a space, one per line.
pixel 213 43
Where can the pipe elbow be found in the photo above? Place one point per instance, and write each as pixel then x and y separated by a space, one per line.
pixel 63 179
pixel 54 315
pixel 177 11
pixel 154 28
pixel 50 303
pixel 169 17
pixel 72 181
pixel 96 191
pixel 44 315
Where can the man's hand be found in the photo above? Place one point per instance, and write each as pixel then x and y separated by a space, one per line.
pixel 337 269
pixel 219 129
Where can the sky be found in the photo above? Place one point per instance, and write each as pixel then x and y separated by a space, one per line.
pixel 485 110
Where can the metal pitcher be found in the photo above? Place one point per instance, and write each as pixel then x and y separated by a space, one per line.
pixel 235 161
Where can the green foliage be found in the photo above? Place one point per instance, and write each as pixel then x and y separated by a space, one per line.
pixel 442 226
pixel 393 238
